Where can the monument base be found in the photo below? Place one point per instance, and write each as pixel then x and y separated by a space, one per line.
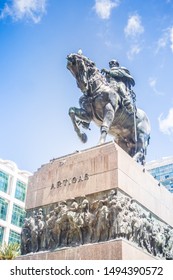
pixel 97 204
pixel 110 250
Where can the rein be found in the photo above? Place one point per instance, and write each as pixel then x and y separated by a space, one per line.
pixel 92 81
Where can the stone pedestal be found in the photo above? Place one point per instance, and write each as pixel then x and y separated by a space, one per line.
pixel 110 250
pixel 97 204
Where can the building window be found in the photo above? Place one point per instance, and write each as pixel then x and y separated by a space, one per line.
pixel 3 208
pixel 17 216
pixel 14 237
pixel 20 191
pixel 3 181
pixel 1 234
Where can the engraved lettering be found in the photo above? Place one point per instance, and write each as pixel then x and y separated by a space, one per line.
pixel 52 187
pixel 65 182
pixel 59 184
pixel 74 180
pixel 86 177
pixel 68 182
pixel 80 179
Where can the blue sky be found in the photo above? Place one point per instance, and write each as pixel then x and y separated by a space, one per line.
pixel 37 90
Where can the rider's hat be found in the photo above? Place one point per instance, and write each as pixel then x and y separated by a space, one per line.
pixel 114 63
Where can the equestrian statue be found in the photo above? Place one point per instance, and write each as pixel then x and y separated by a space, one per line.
pixel 109 102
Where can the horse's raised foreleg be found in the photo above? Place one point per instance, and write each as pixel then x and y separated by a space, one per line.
pixel 107 122
pixel 76 116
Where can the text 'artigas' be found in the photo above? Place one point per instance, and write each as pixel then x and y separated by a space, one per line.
pixel 67 182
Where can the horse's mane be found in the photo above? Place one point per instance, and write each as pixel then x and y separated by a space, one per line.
pixel 86 60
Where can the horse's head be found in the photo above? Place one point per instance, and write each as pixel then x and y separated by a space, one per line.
pixel 78 67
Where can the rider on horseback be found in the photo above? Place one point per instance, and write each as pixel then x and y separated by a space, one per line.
pixel 121 80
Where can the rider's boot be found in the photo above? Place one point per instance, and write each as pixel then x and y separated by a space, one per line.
pixel 128 105
pixel 125 99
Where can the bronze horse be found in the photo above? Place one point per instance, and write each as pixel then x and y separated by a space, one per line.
pixel 103 105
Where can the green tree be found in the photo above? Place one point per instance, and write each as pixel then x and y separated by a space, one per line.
pixel 9 251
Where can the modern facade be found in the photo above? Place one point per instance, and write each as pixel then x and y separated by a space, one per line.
pixel 13 187
pixel 162 170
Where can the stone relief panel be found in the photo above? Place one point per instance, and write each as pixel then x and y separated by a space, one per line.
pixel 95 218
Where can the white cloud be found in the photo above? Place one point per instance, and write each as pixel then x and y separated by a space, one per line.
pixel 134 26
pixel 134 50
pixel 153 85
pixel 24 9
pixel 103 8
pixel 171 38
pixel 132 30
pixel 152 82
pixel 166 124
pixel 165 40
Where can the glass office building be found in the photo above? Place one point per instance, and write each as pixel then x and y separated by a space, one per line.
pixel 162 170
pixel 13 187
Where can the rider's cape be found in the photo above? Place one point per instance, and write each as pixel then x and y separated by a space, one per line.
pixel 123 72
